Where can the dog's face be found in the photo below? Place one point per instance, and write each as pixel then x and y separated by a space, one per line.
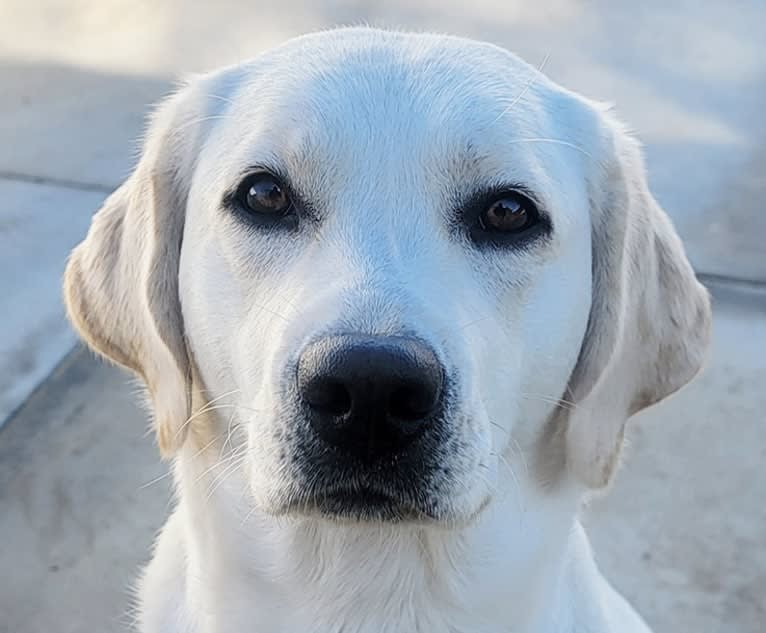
pixel 390 259
pixel 373 218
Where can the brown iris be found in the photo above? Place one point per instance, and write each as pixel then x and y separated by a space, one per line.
pixel 510 214
pixel 264 194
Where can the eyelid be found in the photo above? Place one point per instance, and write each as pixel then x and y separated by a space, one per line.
pixel 497 192
pixel 256 170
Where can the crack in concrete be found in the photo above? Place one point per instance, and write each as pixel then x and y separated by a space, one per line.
pixel 50 181
pixel 743 282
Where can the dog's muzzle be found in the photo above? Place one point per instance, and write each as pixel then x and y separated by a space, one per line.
pixel 374 406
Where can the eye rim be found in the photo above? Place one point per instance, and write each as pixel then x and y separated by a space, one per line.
pixel 237 201
pixel 472 213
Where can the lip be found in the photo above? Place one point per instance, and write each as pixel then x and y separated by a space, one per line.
pixel 363 505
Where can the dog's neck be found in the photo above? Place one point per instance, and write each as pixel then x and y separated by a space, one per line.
pixel 246 571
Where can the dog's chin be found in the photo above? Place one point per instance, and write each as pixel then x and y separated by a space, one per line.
pixel 366 506
pixel 357 506
pixel 372 507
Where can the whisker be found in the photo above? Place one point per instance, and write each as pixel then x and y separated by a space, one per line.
pixel 516 447
pixel 524 89
pixel 232 405
pixel 207 446
pixel 285 299
pixel 155 480
pixel 519 496
pixel 219 97
pixel 225 474
pixel 560 402
pixel 221 461
pixel 228 433
pixel 521 455
pixel 170 472
pixel 556 141
pixel 248 514
pixel 212 117
pixel 203 410
pixel 273 312
pixel 496 425
pixel 230 462
pixel 464 326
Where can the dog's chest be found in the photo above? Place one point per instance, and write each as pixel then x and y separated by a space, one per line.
pixel 350 592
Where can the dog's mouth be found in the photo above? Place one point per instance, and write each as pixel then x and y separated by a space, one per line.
pixel 360 505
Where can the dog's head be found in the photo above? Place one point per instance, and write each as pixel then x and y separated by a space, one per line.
pixel 394 264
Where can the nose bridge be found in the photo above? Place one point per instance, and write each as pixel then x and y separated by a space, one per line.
pixel 374 235
pixel 385 214
pixel 367 264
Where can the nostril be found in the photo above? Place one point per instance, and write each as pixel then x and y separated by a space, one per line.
pixel 411 402
pixel 370 395
pixel 328 396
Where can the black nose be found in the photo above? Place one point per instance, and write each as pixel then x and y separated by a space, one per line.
pixel 370 396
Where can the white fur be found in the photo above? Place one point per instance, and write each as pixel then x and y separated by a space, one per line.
pixel 377 129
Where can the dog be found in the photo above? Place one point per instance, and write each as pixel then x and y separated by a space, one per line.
pixel 393 297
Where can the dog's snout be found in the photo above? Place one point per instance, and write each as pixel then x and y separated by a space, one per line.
pixel 370 395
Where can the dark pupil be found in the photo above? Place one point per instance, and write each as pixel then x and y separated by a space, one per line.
pixel 506 214
pixel 266 195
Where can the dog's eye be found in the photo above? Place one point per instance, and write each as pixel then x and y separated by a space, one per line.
pixel 510 213
pixel 265 195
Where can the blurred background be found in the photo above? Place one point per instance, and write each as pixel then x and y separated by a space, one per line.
pixel 682 533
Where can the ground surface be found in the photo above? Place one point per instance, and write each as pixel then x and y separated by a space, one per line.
pixel 683 531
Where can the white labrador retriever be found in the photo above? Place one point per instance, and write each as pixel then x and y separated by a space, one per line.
pixel 394 297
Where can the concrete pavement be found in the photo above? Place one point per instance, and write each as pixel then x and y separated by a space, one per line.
pixel 683 530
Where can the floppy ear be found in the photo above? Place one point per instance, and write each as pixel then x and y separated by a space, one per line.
pixel 121 282
pixel 650 319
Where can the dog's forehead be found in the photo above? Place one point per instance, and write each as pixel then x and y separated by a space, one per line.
pixel 386 73
pixel 337 104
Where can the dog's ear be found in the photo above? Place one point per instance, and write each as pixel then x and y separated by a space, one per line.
pixel 121 282
pixel 650 319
